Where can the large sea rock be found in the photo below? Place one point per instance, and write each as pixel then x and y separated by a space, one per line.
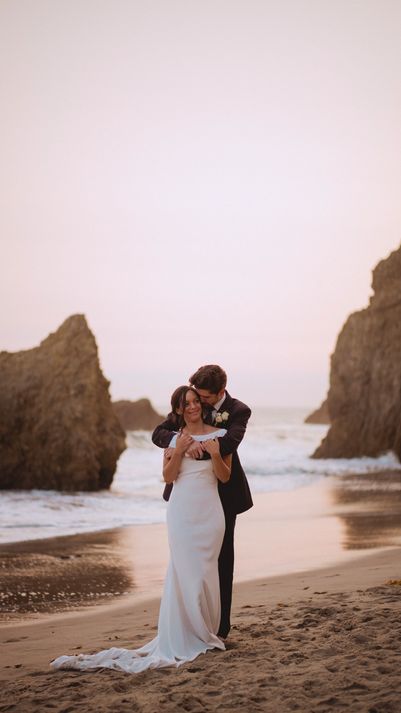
pixel 137 415
pixel 364 399
pixel 58 429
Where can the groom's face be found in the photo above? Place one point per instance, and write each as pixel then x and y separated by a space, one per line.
pixel 208 397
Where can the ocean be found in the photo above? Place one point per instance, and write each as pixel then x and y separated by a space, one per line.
pixel 275 454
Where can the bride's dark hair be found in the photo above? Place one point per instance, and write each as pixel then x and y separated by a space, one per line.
pixel 178 399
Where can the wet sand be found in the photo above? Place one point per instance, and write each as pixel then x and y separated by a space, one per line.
pixel 330 521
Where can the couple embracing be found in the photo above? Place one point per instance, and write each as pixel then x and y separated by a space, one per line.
pixel 206 488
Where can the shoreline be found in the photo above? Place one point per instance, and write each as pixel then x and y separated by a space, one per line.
pixel 329 522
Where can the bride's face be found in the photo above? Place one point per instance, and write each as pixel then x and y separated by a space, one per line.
pixel 192 407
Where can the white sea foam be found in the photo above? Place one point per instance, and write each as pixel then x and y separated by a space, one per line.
pixel 275 455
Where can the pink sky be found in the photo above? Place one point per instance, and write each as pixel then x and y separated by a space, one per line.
pixel 205 181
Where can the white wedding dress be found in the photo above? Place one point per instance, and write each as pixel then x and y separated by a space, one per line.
pixel 189 614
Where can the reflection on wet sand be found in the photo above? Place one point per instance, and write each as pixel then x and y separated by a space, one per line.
pixel 63 573
pixel 370 507
pixel 60 573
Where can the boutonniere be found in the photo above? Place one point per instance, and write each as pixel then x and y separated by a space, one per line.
pixel 221 419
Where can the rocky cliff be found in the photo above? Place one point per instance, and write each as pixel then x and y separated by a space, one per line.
pixel 137 415
pixel 364 398
pixel 57 426
pixel 320 415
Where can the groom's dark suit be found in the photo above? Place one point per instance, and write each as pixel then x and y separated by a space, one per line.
pixel 235 494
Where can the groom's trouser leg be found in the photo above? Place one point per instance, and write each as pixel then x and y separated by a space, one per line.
pixel 226 571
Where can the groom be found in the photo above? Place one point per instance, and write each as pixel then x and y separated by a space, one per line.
pixel 223 412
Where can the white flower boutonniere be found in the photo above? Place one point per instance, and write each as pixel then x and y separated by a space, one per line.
pixel 221 419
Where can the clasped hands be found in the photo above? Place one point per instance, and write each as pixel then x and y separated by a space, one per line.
pixel 193 449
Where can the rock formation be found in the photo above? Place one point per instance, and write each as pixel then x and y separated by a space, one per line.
pixel 364 398
pixel 137 415
pixel 57 426
pixel 321 415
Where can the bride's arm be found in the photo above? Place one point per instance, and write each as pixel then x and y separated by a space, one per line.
pixel 221 466
pixel 172 465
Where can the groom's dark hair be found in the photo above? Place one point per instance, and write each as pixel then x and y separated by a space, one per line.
pixel 211 377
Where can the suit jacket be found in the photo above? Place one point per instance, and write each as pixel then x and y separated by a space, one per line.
pixel 235 495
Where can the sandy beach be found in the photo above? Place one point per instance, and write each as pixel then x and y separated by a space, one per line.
pixel 316 622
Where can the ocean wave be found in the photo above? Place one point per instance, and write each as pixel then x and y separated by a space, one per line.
pixel 275 455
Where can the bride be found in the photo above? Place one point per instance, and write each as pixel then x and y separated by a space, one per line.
pixel 189 614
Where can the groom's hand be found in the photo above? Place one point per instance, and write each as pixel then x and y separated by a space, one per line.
pixel 195 450
pixel 183 443
pixel 211 446
pixel 168 452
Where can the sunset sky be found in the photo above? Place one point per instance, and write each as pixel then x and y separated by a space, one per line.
pixel 205 181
